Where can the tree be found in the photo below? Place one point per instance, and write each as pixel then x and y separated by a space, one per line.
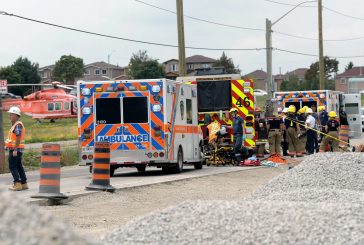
pixel 8 73
pixel 227 63
pixel 141 66
pixel 349 66
pixel 28 72
pixel 312 74
pixel 68 68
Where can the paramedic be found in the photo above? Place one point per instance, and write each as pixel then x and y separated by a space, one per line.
pixel 238 125
pixel 15 144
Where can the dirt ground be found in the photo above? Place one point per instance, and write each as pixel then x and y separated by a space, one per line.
pixel 99 213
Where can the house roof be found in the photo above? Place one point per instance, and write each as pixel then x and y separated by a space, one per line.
pixel 300 72
pixel 102 64
pixel 257 74
pixel 50 67
pixel 357 71
pixel 165 62
pixel 199 59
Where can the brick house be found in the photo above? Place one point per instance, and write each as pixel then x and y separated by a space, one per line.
pixel 193 63
pixel 342 80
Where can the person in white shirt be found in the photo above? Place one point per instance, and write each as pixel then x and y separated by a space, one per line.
pixel 310 123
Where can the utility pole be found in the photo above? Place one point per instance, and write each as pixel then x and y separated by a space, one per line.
pixel 268 35
pixel 321 48
pixel 181 39
pixel 2 145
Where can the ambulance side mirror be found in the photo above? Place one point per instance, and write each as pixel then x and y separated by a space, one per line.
pixel 207 119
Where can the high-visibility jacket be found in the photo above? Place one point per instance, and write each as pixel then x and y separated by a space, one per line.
pixel 11 139
pixel 213 127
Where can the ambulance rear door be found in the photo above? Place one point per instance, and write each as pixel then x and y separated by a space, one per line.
pixel 351 104
pixel 123 120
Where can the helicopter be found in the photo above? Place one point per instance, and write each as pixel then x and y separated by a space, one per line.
pixel 51 103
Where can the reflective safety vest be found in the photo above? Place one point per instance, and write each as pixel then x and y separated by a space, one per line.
pixel 213 127
pixel 11 139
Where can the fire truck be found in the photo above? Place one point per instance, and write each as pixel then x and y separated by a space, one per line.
pixel 147 122
pixel 332 100
pixel 217 94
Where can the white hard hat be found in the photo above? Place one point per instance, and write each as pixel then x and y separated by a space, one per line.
pixel 285 110
pixel 15 110
pixel 309 111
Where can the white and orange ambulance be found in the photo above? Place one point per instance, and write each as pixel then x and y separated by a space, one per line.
pixel 147 122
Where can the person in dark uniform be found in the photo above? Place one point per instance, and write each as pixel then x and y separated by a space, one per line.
pixel 262 133
pixel 238 125
pixel 332 128
pixel 284 143
pixel 274 126
pixel 302 138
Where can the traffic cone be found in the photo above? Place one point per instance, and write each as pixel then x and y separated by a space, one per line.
pixel 101 168
pixel 50 173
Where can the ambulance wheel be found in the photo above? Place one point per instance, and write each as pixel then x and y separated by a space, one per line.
pixel 179 167
pixel 141 168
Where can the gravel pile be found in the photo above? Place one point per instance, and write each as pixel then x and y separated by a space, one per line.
pixel 321 201
pixel 336 171
pixel 24 224
pixel 229 222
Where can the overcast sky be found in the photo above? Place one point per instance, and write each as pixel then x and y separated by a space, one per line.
pixel 131 19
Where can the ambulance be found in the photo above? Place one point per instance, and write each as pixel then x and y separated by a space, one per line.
pixel 332 100
pixel 147 122
pixel 217 94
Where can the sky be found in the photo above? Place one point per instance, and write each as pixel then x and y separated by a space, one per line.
pixel 132 19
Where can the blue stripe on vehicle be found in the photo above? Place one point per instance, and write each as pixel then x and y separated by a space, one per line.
pixel 156 145
pixel 105 130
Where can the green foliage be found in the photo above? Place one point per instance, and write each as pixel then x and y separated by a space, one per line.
pixel 8 73
pixel 331 68
pixel 68 68
pixel 141 66
pixel 349 66
pixel 227 63
pixel 22 71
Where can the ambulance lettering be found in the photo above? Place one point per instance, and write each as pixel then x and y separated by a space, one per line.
pixel 124 138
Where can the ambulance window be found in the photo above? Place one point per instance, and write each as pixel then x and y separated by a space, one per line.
pixel 50 107
pixel 108 111
pixel 182 109
pixel 352 108
pixel 58 106
pixel 66 105
pixel 189 111
pixel 135 109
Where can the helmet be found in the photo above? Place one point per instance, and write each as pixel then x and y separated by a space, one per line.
pixel 257 109
pixel 321 108
pixel 292 109
pixel 285 110
pixel 233 110
pixel 15 110
pixel 302 110
pixel 332 114
pixel 309 111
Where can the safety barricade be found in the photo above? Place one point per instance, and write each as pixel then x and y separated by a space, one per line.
pixel 50 173
pixel 101 168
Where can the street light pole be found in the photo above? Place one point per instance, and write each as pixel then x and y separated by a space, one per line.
pixel 108 63
pixel 269 24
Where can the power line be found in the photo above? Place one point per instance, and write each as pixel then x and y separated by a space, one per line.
pixel 201 20
pixel 254 29
pixel 127 39
pixel 314 55
pixel 289 4
pixel 343 14
pixel 316 39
